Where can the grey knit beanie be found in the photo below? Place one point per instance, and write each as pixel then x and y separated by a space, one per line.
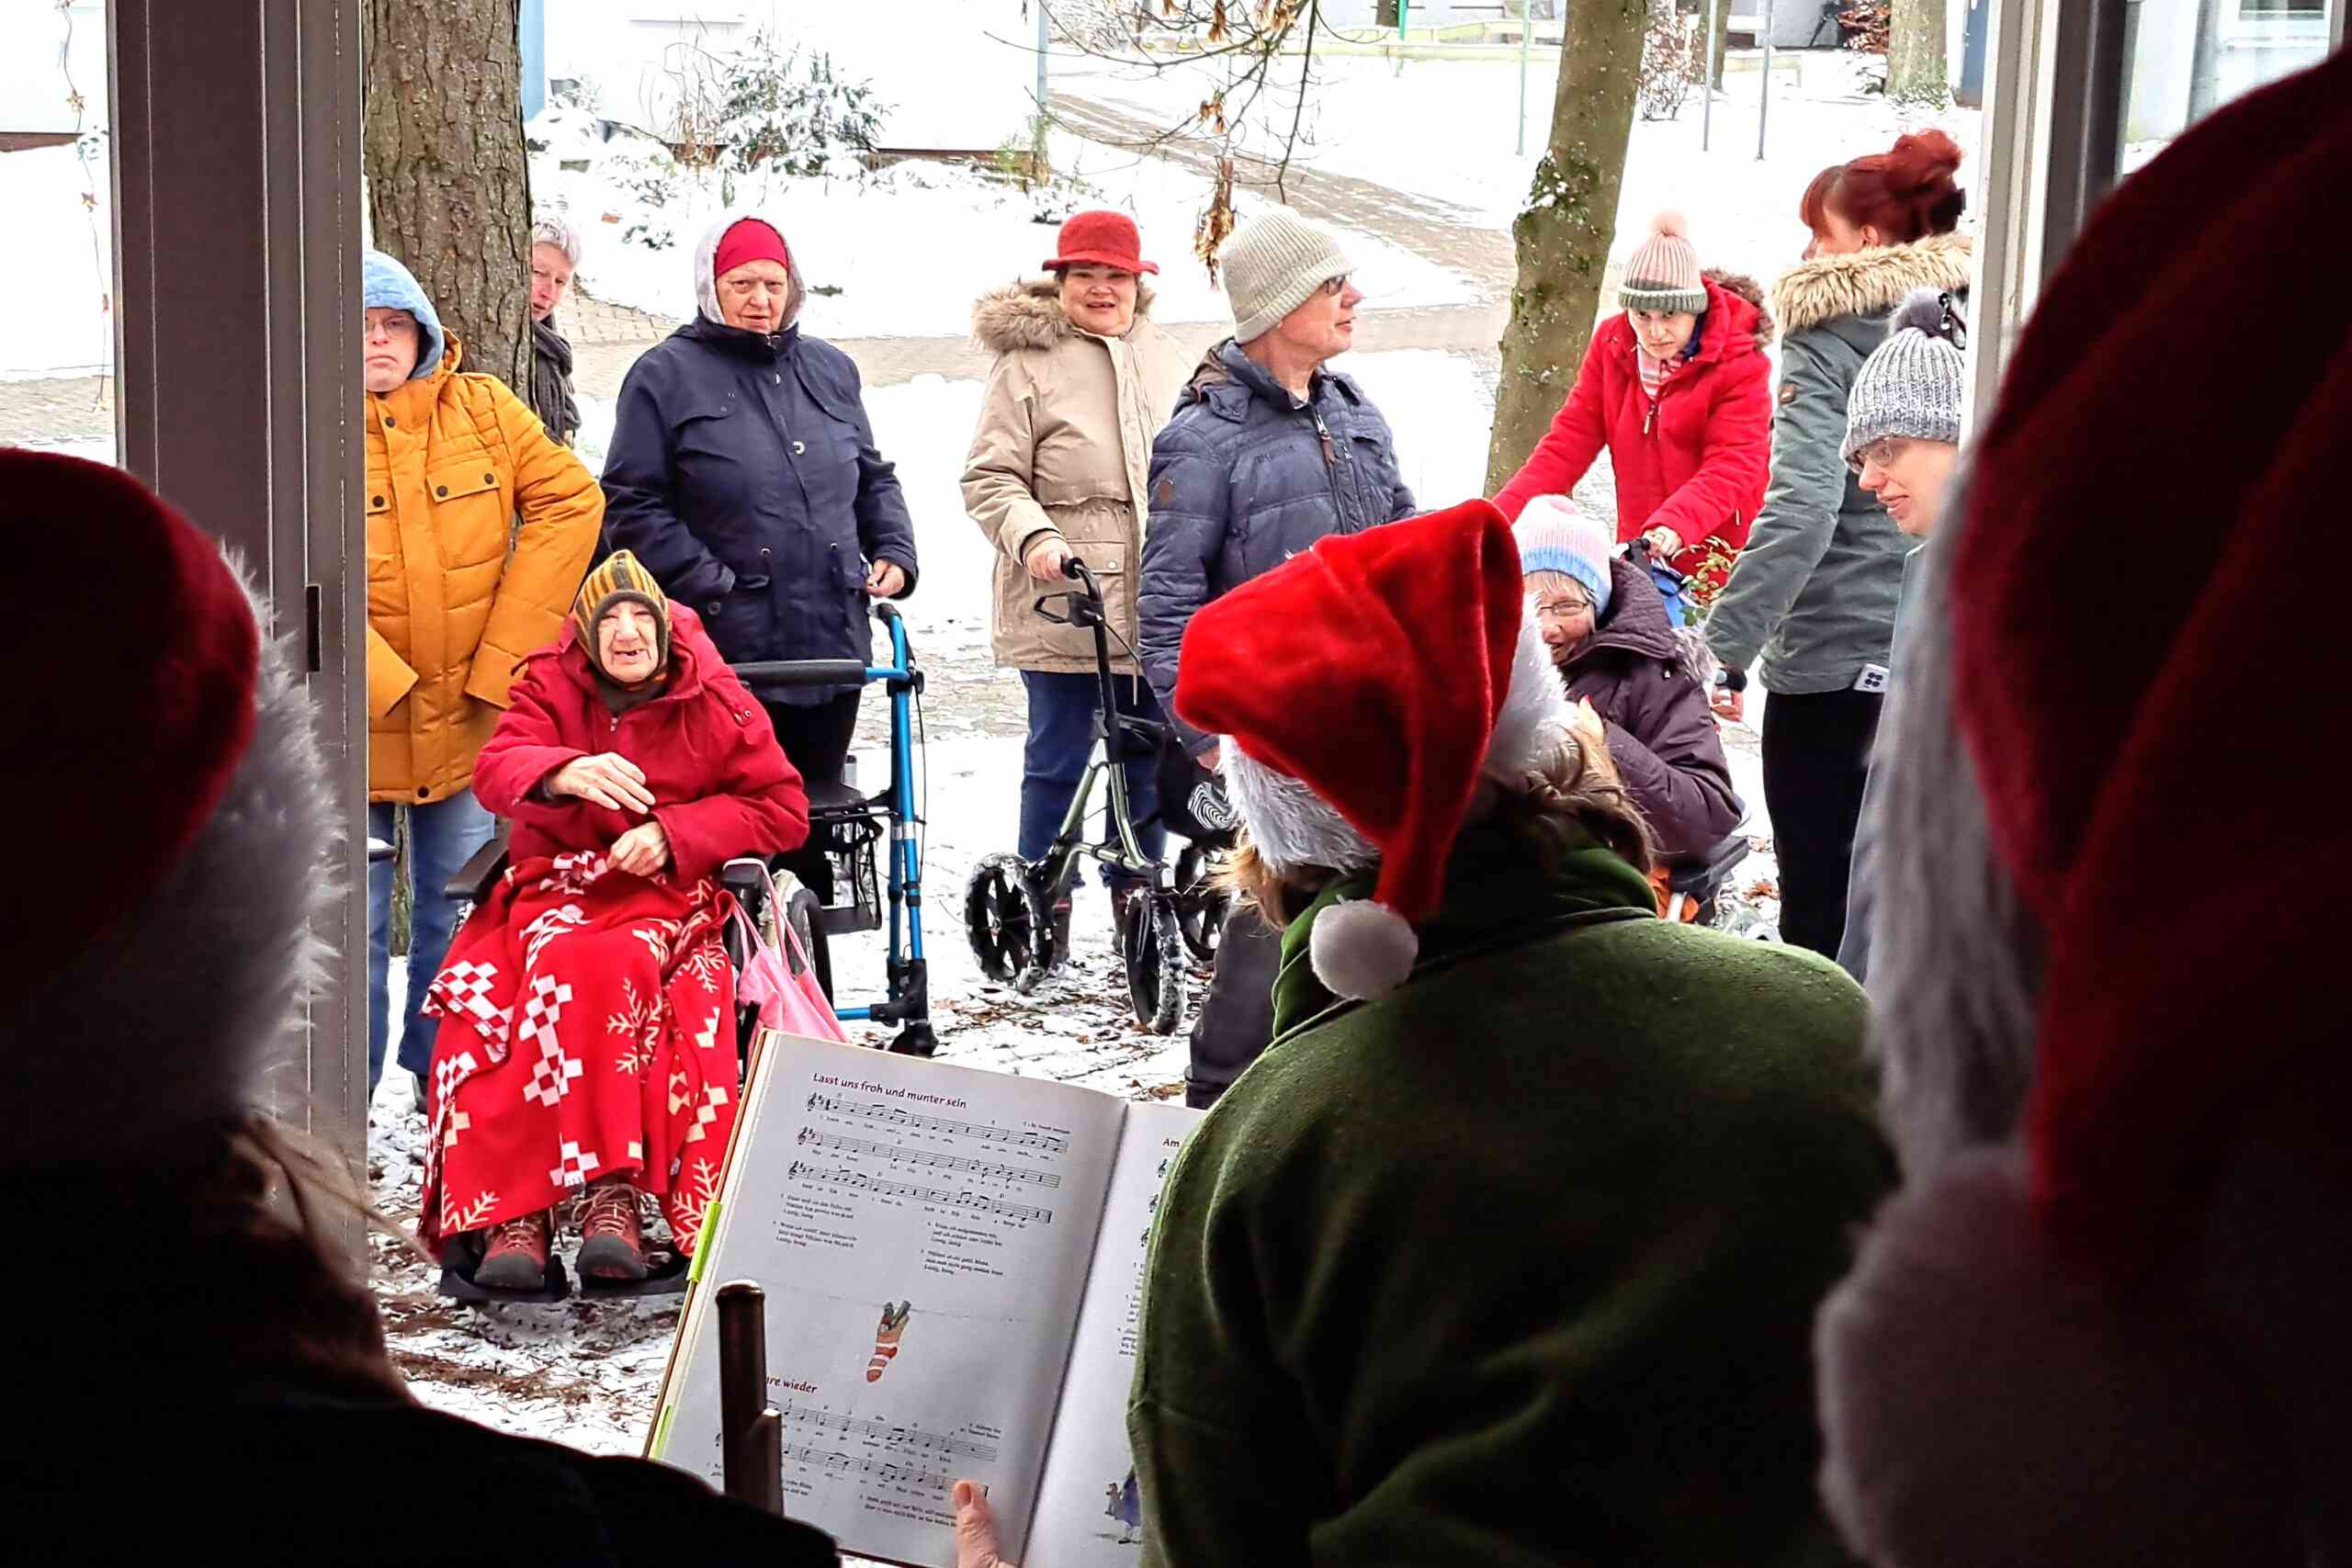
pixel 1271 264
pixel 1913 384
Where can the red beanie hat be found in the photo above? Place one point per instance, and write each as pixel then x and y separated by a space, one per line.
pixel 749 240
pixel 1374 670
pixel 1101 238
pixel 2142 675
pixel 133 656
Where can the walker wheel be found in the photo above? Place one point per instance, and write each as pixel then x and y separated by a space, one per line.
pixel 1200 904
pixel 1010 931
pixel 1153 945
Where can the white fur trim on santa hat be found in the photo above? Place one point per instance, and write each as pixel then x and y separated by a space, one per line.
pixel 170 1017
pixel 1291 827
pixel 1534 716
pixel 1362 949
pixel 1981 1404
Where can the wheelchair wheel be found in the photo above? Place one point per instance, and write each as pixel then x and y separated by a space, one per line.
pixel 1201 906
pixel 1009 927
pixel 800 907
pixel 1153 945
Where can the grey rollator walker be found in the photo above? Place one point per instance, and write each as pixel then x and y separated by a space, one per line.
pixel 1009 910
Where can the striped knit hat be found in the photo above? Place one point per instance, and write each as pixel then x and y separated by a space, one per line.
pixel 618 578
pixel 1913 384
pixel 1663 272
pixel 1553 536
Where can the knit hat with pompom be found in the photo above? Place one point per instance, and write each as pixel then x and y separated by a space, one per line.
pixel 1915 383
pixel 1663 271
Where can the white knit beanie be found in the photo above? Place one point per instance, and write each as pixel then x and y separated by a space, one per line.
pixel 1663 271
pixel 1271 264
pixel 1913 384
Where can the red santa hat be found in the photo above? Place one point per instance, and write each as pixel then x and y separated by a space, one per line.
pixel 2117 1340
pixel 1367 691
pixel 171 815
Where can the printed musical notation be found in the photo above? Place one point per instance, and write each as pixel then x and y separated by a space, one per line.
pixel 899 1116
pixel 912 1475
pixel 811 1137
pixel 860 1181
pixel 911 1438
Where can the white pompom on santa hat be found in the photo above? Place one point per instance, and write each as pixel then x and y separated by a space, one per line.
pixel 171 820
pixel 1370 692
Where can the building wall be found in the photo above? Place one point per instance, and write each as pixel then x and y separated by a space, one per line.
pixel 32 88
pixel 957 74
pixel 2252 48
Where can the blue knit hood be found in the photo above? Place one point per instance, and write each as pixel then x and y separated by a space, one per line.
pixel 386 285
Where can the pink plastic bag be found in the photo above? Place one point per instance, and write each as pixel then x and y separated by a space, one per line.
pixel 789 1003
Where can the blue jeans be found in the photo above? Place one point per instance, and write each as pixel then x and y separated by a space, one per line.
pixel 1061 740
pixel 441 837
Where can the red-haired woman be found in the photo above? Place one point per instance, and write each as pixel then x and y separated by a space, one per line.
pixel 1814 592
pixel 1677 387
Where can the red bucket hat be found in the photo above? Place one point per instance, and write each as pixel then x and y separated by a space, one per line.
pixel 1102 239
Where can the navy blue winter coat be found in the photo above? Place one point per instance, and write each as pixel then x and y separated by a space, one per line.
pixel 1243 477
pixel 742 472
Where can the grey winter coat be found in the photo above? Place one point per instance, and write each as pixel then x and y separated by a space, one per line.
pixel 1661 732
pixel 1814 591
pixel 1245 476
pixel 1064 446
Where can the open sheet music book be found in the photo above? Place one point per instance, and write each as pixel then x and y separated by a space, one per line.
pixel 954 1268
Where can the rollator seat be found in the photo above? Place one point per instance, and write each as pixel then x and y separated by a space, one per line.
pixel 836 799
pixel 1692 873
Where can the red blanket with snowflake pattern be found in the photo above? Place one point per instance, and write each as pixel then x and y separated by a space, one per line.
pixel 588 1030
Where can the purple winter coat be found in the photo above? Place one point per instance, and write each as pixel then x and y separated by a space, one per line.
pixel 1661 731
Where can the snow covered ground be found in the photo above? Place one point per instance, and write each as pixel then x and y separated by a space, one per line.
pixel 876 247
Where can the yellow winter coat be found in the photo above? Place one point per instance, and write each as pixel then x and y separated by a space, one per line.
pixel 452 608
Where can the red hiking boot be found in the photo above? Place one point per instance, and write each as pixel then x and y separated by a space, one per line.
pixel 517 1256
pixel 613 1237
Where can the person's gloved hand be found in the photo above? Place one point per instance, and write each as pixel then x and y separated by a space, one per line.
pixel 975 1530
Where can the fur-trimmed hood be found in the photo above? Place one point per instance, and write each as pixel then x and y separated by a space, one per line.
pixel 1868 283
pixel 1029 314
pixel 1739 285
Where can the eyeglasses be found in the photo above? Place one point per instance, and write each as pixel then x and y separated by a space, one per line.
pixel 1567 608
pixel 1336 285
pixel 1883 452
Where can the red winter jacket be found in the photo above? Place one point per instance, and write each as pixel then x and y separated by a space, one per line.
pixel 1698 467
pixel 721 786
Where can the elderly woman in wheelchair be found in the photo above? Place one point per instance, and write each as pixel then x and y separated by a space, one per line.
pixel 589 1042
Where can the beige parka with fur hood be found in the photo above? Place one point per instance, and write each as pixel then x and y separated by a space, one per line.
pixel 1064 446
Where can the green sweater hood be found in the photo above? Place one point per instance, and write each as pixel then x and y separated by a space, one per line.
pixel 1498 890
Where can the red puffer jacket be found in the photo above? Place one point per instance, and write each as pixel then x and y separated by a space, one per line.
pixel 1698 467
pixel 721 786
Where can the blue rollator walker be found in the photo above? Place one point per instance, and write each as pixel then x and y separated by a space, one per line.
pixel 849 827
pixel 1008 912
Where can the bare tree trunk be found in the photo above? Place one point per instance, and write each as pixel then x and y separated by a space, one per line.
pixel 1563 233
pixel 1723 41
pixel 1916 48
pixel 448 190
pixel 2205 62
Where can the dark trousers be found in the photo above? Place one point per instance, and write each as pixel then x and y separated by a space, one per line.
pixel 1237 1019
pixel 816 741
pixel 1062 709
pixel 1816 759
